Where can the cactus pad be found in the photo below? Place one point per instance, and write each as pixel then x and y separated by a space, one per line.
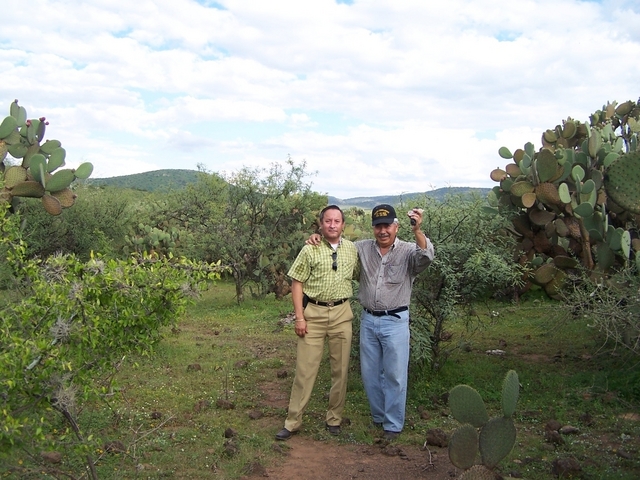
pixel 60 180
pixel 66 197
pixel 497 438
pixel 478 472
pixel 51 205
pixel 467 406
pixel 14 175
pixel 463 447
pixel 510 393
pixel 29 188
pixel 621 181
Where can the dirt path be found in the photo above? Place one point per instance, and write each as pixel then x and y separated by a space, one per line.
pixel 309 459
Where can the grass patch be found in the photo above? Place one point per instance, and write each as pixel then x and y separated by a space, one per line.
pixel 211 398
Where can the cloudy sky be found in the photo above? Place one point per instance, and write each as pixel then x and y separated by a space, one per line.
pixel 377 96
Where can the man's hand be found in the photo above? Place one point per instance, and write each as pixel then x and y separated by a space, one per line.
pixel 415 214
pixel 314 239
pixel 301 327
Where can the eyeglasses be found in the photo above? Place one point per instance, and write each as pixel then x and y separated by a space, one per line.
pixel 334 265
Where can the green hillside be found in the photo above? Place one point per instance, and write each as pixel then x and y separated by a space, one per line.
pixel 158 180
pixel 170 179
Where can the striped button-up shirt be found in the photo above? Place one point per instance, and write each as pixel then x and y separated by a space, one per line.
pixel 386 281
pixel 313 268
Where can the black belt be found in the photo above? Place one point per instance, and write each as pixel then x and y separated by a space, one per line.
pixel 382 313
pixel 328 304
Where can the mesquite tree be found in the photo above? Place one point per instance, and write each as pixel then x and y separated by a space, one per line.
pixel 473 262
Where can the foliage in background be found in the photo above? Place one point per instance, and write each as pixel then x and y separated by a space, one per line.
pixel 100 221
pixel 66 327
pixel 576 201
pixel 254 221
pixel 611 307
pixel 473 262
pixel 161 181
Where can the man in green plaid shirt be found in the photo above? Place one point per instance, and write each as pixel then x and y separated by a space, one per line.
pixel 321 288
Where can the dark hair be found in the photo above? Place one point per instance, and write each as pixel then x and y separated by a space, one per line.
pixel 331 207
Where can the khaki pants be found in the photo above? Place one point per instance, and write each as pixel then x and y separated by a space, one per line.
pixel 333 323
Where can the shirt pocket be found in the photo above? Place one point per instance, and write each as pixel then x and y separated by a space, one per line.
pixel 395 273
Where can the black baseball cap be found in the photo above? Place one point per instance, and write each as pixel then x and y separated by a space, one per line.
pixel 383 214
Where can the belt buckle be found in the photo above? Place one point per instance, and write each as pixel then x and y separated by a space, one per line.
pixel 330 304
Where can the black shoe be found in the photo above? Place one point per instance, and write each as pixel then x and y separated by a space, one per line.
pixel 388 435
pixel 334 429
pixel 284 434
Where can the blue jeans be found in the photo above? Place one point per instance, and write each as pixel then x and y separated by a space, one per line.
pixel 384 362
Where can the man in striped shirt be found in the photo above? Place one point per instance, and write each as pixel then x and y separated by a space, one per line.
pixel 388 267
pixel 321 288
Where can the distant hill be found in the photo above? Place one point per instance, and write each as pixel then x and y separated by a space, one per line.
pixel 171 179
pixel 438 194
pixel 158 180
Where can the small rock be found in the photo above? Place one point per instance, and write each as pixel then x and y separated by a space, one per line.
pixel 255 469
pixel 496 352
pixel 437 437
pixel 346 421
pixel 623 454
pixel 225 404
pixel 393 451
pixel 551 436
pixel 424 415
pixel 230 433
pixel 194 367
pixel 282 374
pixel 241 364
pixel 255 414
pixel 553 425
pixel 230 448
pixel 569 430
pixel 155 415
pixel 201 405
pixel 51 457
pixel 566 467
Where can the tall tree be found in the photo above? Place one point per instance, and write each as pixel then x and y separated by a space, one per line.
pixel 254 221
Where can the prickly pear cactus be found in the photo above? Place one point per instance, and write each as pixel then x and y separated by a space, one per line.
pixel 491 438
pixel 575 197
pixel 39 175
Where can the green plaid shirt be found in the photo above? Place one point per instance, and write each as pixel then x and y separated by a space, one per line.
pixel 312 267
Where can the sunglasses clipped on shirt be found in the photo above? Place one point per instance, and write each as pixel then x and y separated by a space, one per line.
pixel 334 265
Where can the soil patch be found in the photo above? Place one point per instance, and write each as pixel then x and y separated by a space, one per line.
pixel 307 458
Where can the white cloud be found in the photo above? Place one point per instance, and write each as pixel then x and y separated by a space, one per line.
pixel 380 97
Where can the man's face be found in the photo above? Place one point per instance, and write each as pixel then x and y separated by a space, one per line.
pixel 332 225
pixel 385 234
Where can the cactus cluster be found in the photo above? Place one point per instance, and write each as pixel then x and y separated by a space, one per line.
pixel 576 200
pixel 152 240
pixel 493 438
pixel 39 175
